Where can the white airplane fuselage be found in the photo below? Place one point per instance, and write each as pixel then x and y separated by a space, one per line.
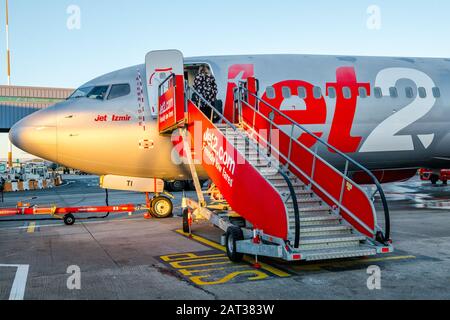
pixel 402 123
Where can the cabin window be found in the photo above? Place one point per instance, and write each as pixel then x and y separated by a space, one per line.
pixel 393 92
pixel 436 92
pixel 377 92
pixel 270 91
pixel 286 92
pixel 302 93
pixel 98 93
pixel 332 92
pixel 422 92
pixel 119 90
pixel 409 92
pixel 347 92
pixel 317 91
pixel 362 92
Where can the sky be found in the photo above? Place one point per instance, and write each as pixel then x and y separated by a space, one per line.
pixel 62 43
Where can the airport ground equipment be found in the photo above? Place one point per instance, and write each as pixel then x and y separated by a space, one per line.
pixel 160 204
pixel 280 197
pixel 67 214
pixel 435 175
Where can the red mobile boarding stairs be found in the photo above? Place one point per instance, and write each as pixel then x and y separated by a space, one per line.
pixel 282 199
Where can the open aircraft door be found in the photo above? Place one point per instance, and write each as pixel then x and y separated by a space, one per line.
pixel 165 67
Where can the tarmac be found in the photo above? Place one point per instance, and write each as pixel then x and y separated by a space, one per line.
pixel 128 257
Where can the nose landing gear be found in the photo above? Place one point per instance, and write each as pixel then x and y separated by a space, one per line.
pixel 160 207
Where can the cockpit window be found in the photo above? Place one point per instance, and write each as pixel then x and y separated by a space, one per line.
pixel 98 93
pixel 81 92
pixel 119 90
pixel 91 92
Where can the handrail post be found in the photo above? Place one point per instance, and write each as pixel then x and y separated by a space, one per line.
pixel 173 83
pixel 269 142
pixel 290 146
pixel 254 111
pixel 234 104
pixel 344 182
pixel 239 104
pixel 316 149
pixel 187 91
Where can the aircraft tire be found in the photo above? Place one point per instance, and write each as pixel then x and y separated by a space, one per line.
pixel 233 235
pixel 178 186
pixel 69 219
pixel 161 208
pixel 434 179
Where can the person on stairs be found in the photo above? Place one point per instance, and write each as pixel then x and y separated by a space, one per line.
pixel 205 84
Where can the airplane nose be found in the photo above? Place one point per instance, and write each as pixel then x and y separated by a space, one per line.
pixel 36 134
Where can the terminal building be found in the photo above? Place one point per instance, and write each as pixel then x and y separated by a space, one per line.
pixel 17 102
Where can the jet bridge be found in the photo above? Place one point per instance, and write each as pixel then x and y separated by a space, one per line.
pixel 272 195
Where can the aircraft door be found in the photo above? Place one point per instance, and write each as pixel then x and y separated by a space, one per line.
pixel 159 65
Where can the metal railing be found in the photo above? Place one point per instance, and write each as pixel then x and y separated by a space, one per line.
pixel 191 94
pixel 242 93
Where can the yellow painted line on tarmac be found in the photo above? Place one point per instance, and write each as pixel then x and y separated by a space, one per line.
pixel 217 246
pixel 390 259
pixel 352 263
pixel 31 227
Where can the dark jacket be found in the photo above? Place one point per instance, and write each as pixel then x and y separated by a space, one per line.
pixel 206 86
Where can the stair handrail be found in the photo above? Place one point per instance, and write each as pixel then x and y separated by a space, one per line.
pixel 381 237
pixel 292 196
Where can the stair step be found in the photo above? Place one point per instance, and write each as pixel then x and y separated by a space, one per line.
pixel 226 127
pixel 338 253
pixel 269 175
pixel 305 196
pixel 298 187
pixel 241 143
pixel 232 134
pixel 261 160
pixel 308 217
pixel 306 199
pixel 265 165
pixel 317 221
pixel 322 231
pixel 250 152
pixel 311 209
pixel 324 242
pixel 262 155
pixel 250 149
